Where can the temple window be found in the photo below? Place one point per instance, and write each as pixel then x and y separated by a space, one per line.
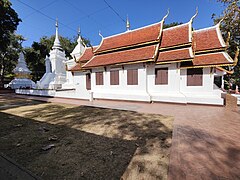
pixel 132 77
pixel 161 76
pixel 114 77
pixel 194 77
pixel 99 78
pixel 88 81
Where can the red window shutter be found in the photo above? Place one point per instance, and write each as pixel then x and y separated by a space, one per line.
pixel 135 77
pixel 114 77
pixel 111 77
pixel 99 78
pixel 161 76
pixel 129 76
pixel 88 81
pixel 194 77
pixel 132 77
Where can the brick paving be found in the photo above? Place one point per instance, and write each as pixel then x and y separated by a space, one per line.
pixel 206 139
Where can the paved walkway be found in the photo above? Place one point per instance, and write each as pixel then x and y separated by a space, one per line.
pixel 206 139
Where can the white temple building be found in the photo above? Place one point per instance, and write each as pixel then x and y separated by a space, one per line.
pixel 150 64
pixel 22 75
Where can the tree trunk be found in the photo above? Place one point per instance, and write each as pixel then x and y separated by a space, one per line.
pixel 2 71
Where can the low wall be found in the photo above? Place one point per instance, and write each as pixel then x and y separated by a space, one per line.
pixel 36 92
pixel 238 98
pixel 210 99
pixel 53 93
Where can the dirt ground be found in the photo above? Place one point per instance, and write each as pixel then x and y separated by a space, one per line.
pixel 87 142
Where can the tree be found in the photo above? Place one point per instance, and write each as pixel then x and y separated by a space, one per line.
pixel 11 55
pixel 8 40
pixel 231 24
pixel 171 25
pixel 36 54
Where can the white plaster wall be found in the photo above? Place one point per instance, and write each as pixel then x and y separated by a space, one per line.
pixel 165 93
pixel 69 77
pixel 121 91
pixel 173 79
pixel 79 81
pixel 207 84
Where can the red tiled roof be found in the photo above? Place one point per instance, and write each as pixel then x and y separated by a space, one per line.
pixel 129 38
pixel 77 67
pixel 176 35
pixel 125 56
pixel 219 58
pixel 87 54
pixel 207 39
pixel 173 55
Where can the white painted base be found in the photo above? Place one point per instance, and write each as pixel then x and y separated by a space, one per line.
pixel 122 96
pixel 21 83
pixel 238 98
pixel 173 97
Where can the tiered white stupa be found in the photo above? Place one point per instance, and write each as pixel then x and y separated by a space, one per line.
pixel 22 75
pixel 55 74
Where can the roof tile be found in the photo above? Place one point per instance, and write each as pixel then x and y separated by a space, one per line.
pixel 176 35
pixel 125 56
pixel 219 58
pixel 77 67
pixel 129 38
pixel 207 39
pixel 173 55
pixel 87 54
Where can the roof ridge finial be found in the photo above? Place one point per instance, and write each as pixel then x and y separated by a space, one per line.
pixel 79 31
pixel 127 24
pixel 196 13
pixel 168 11
pixel 218 24
pixel 99 33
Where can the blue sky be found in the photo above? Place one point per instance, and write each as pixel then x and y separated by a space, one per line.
pixel 95 15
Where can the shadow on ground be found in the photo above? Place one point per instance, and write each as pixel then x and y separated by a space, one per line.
pixel 8 102
pixel 76 154
pixel 93 143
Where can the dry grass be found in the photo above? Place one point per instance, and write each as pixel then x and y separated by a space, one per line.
pixel 93 143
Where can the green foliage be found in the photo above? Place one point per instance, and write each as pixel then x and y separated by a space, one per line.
pixel 11 54
pixel 231 23
pixel 171 25
pixel 10 43
pixel 9 21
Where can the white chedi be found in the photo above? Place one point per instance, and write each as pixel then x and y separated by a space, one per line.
pixel 22 75
pixel 55 74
